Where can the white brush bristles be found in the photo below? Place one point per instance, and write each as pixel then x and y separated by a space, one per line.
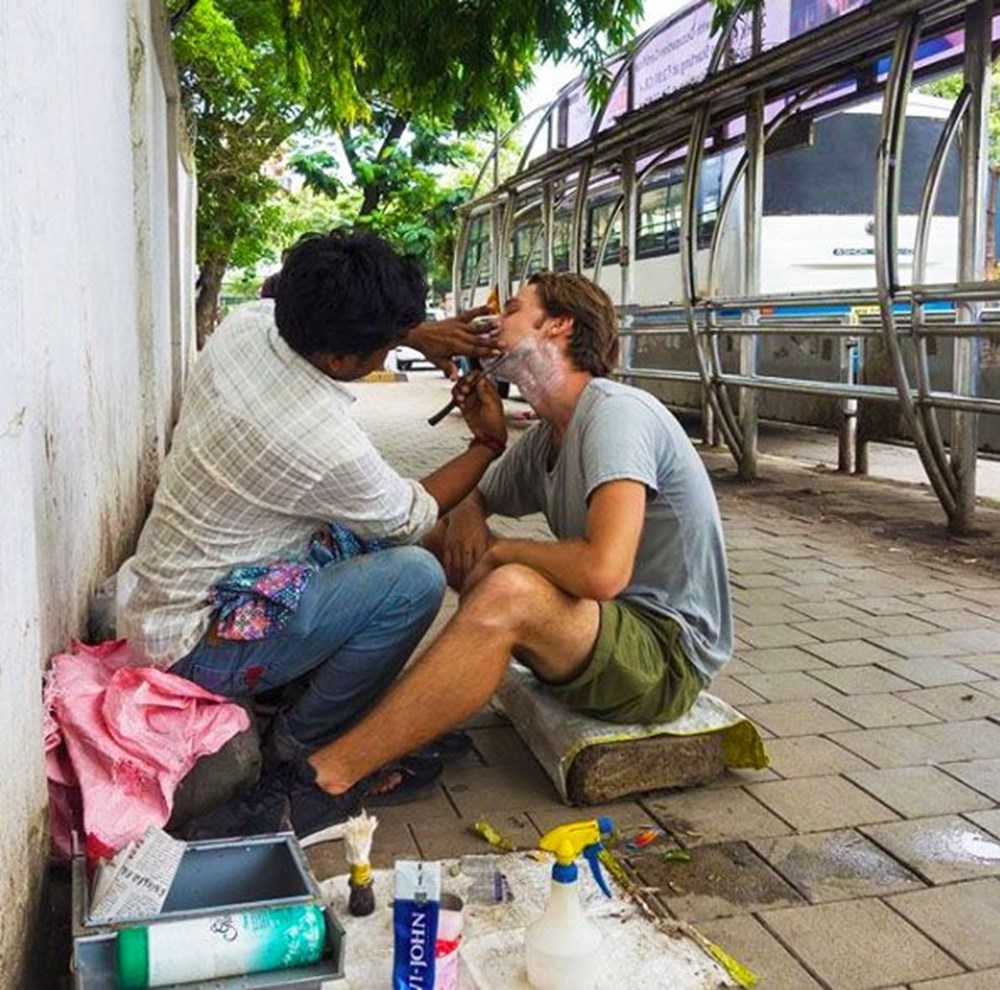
pixel 358 834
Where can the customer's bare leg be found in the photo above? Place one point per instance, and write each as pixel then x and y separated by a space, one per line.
pixel 513 608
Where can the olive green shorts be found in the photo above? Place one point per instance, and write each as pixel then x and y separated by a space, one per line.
pixel 638 671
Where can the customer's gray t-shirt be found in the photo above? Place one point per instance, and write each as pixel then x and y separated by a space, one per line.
pixel 619 432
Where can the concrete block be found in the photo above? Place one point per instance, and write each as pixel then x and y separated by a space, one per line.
pixel 612 770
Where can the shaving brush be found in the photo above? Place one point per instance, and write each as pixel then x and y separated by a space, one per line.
pixel 358 834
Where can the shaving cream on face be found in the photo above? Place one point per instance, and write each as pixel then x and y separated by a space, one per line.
pixel 534 366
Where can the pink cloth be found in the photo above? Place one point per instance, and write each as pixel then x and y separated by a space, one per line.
pixel 118 740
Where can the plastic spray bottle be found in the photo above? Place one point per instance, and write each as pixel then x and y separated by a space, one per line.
pixel 561 948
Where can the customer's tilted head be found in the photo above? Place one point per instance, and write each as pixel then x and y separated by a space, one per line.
pixel 347 294
pixel 593 343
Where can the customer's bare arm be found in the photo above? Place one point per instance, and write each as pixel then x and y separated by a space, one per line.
pixel 597 567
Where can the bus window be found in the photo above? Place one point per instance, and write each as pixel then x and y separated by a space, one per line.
pixel 527 248
pixel 659 228
pixel 560 243
pixel 836 175
pixel 597 222
pixel 475 264
pixel 709 198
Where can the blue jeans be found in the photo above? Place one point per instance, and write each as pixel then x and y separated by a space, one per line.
pixel 356 625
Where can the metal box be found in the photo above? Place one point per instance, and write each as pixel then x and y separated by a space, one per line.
pixel 219 876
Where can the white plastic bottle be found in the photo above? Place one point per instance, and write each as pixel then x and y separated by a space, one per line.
pixel 211 947
pixel 561 948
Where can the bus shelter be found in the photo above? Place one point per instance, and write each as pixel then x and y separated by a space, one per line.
pixel 676 193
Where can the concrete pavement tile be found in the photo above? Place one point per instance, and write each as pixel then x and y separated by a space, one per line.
pixel 756 581
pixel 765 615
pixel 983 775
pixel 896 746
pixel 984 979
pixel 766 637
pixel 884 606
pixel 836 866
pixel 477 790
pixel 982 596
pixel 730 690
pixel 818 804
pixel 986 663
pixel 898 625
pixel 810 756
pixel 954 702
pixel 987 820
pixel 866 679
pixel 932 645
pixel 858 945
pixel 850 653
pixel 919 792
pixel 502 745
pixel 942 849
pixel 446 839
pixel 960 619
pixel 978 739
pixel 746 940
pixel 990 687
pixel 782 658
pixel 963 918
pixel 936 603
pixel 700 817
pixel 877 710
pixel 932 671
pixel 738 666
pixel 430 808
pixel 823 608
pixel 737 777
pixel 718 881
pixel 759 563
pixel 832 630
pixel 796 718
pixel 792 685
pixel 760 596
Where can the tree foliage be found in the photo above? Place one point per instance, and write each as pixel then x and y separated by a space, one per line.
pixel 255 72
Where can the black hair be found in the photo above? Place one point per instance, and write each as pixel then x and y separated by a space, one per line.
pixel 347 294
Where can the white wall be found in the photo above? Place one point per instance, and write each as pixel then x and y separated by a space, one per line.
pixel 96 332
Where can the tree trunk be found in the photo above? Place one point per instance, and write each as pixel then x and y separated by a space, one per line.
pixel 207 303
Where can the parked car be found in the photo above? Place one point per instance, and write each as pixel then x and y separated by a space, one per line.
pixel 410 357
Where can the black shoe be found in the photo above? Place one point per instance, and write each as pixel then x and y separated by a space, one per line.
pixel 286 798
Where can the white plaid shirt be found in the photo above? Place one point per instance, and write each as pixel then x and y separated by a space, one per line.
pixel 265 452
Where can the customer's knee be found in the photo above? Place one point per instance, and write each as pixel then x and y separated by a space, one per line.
pixel 505 597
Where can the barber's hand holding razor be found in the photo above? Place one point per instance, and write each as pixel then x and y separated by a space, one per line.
pixel 482 408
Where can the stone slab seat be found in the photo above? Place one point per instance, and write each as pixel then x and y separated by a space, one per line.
pixel 593 762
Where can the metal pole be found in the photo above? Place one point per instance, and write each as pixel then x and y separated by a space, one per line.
pixel 971 256
pixel 753 208
pixel 627 255
pixel 847 438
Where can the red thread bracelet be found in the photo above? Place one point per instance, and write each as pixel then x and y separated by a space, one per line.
pixel 495 444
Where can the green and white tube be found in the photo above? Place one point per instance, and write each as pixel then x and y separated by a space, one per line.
pixel 216 946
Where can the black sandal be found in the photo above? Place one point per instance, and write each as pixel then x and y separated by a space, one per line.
pixel 416 779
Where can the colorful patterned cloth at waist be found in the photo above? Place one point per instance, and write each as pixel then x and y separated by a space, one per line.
pixel 255 601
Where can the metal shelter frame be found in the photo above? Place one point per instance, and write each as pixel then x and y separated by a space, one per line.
pixel 741 83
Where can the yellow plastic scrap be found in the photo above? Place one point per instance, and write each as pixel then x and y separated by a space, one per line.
pixel 741 974
pixel 492 836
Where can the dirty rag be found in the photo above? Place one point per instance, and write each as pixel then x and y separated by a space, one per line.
pixel 119 738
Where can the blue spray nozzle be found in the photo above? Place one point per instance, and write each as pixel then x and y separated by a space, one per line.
pixel 591 853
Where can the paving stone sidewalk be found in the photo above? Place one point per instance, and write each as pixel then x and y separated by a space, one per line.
pixel 868 654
